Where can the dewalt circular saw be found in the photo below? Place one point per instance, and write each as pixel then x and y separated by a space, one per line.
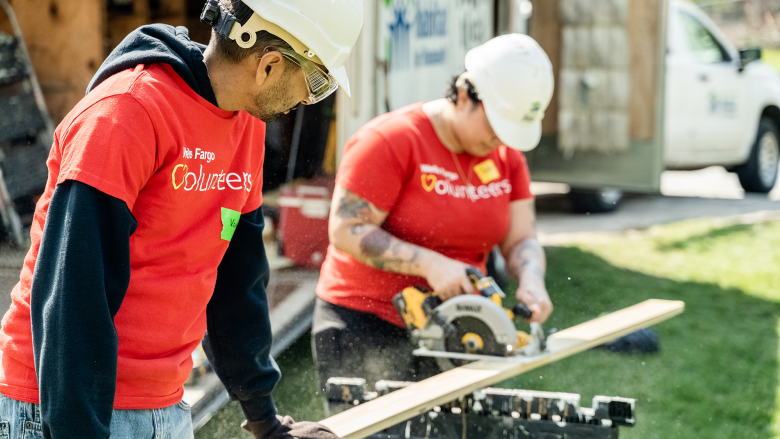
pixel 469 327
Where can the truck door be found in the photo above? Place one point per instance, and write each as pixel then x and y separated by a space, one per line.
pixel 713 86
pixel 681 85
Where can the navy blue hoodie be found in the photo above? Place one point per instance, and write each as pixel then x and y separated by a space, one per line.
pixel 238 339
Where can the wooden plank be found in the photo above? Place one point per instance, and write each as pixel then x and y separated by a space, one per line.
pixel 545 28
pixel 644 27
pixel 421 397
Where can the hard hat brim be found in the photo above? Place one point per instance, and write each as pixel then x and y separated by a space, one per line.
pixel 522 137
pixel 341 77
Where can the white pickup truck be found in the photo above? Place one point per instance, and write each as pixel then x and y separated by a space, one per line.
pixel 722 108
pixel 722 105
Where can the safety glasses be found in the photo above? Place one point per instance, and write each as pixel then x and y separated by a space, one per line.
pixel 320 83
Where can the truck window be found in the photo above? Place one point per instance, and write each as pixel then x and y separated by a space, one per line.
pixel 704 47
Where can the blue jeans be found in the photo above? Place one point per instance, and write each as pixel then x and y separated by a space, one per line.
pixel 22 420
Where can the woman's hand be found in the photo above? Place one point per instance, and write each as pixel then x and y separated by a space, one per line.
pixel 448 277
pixel 534 294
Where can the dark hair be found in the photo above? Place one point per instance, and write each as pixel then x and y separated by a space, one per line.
pixel 451 93
pixel 232 52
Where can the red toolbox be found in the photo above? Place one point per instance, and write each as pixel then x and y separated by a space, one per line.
pixel 303 221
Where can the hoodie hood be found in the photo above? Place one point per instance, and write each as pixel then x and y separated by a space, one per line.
pixel 160 43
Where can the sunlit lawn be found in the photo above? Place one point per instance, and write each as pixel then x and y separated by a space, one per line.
pixel 717 373
pixel 771 57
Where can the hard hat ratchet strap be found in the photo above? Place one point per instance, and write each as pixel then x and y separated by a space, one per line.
pixel 245 35
pixel 217 17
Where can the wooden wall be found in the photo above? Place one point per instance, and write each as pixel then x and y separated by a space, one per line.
pixel 69 39
pixel 545 28
pixel 645 23
pixel 5 24
pixel 123 19
pixel 65 41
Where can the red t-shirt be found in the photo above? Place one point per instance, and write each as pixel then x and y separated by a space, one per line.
pixel 145 137
pixel 398 163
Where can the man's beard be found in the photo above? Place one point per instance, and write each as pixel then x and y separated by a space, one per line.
pixel 272 103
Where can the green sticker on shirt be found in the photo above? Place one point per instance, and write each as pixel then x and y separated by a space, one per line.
pixel 229 222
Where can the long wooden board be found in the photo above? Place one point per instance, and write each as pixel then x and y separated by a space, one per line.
pixel 421 397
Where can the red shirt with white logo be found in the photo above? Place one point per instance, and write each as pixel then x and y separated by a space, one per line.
pixel 186 170
pixel 398 163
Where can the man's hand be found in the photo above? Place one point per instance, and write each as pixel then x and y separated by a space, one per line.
pixel 448 277
pixel 286 428
pixel 534 294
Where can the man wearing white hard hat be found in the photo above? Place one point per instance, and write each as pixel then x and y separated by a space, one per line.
pixel 149 233
pixel 421 194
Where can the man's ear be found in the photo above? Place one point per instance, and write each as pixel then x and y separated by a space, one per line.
pixel 270 68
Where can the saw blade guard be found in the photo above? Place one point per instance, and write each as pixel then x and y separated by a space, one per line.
pixel 483 309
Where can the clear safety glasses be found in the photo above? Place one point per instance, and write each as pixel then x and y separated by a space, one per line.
pixel 320 83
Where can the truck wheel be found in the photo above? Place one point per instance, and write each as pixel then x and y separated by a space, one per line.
pixel 595 201
pixel 759 172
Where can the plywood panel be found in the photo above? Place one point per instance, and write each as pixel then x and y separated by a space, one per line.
pixel 545 28
pixel 421 397
pixel 65 41
pixel 644 24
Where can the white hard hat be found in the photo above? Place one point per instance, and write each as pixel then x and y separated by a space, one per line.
pixel 321 31
pixel 514 79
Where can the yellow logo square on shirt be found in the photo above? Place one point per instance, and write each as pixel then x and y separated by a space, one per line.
pixel 487 171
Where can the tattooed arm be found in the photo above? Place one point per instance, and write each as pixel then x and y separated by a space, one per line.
pixel 354 229
pixel 525 259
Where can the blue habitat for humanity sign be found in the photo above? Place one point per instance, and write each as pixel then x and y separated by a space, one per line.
pixel 400 43
pixel 430 23
pixel 424 43
pixel 419 26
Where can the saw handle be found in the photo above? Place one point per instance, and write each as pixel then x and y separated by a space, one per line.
pixel 486 285
pixel 474 275
pixel 521 309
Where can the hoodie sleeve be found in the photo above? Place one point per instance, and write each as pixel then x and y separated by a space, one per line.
pixel 238 340
pixel 80 280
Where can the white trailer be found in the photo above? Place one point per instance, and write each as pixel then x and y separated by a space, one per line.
pixel 640 87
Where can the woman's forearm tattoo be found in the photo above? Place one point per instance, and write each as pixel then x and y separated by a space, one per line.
pixel 385 252
pixel 375 243
pixel 526 259
pixel 352 205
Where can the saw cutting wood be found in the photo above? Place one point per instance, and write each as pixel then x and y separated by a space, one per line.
pixel 469 327
pixel 389 410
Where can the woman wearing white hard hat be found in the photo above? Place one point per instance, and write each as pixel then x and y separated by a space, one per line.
pixel 424 192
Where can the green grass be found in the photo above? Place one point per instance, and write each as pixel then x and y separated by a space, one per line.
pixel 771 57
pixel 717 373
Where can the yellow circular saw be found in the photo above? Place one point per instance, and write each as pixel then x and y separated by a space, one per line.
pixel 468 327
